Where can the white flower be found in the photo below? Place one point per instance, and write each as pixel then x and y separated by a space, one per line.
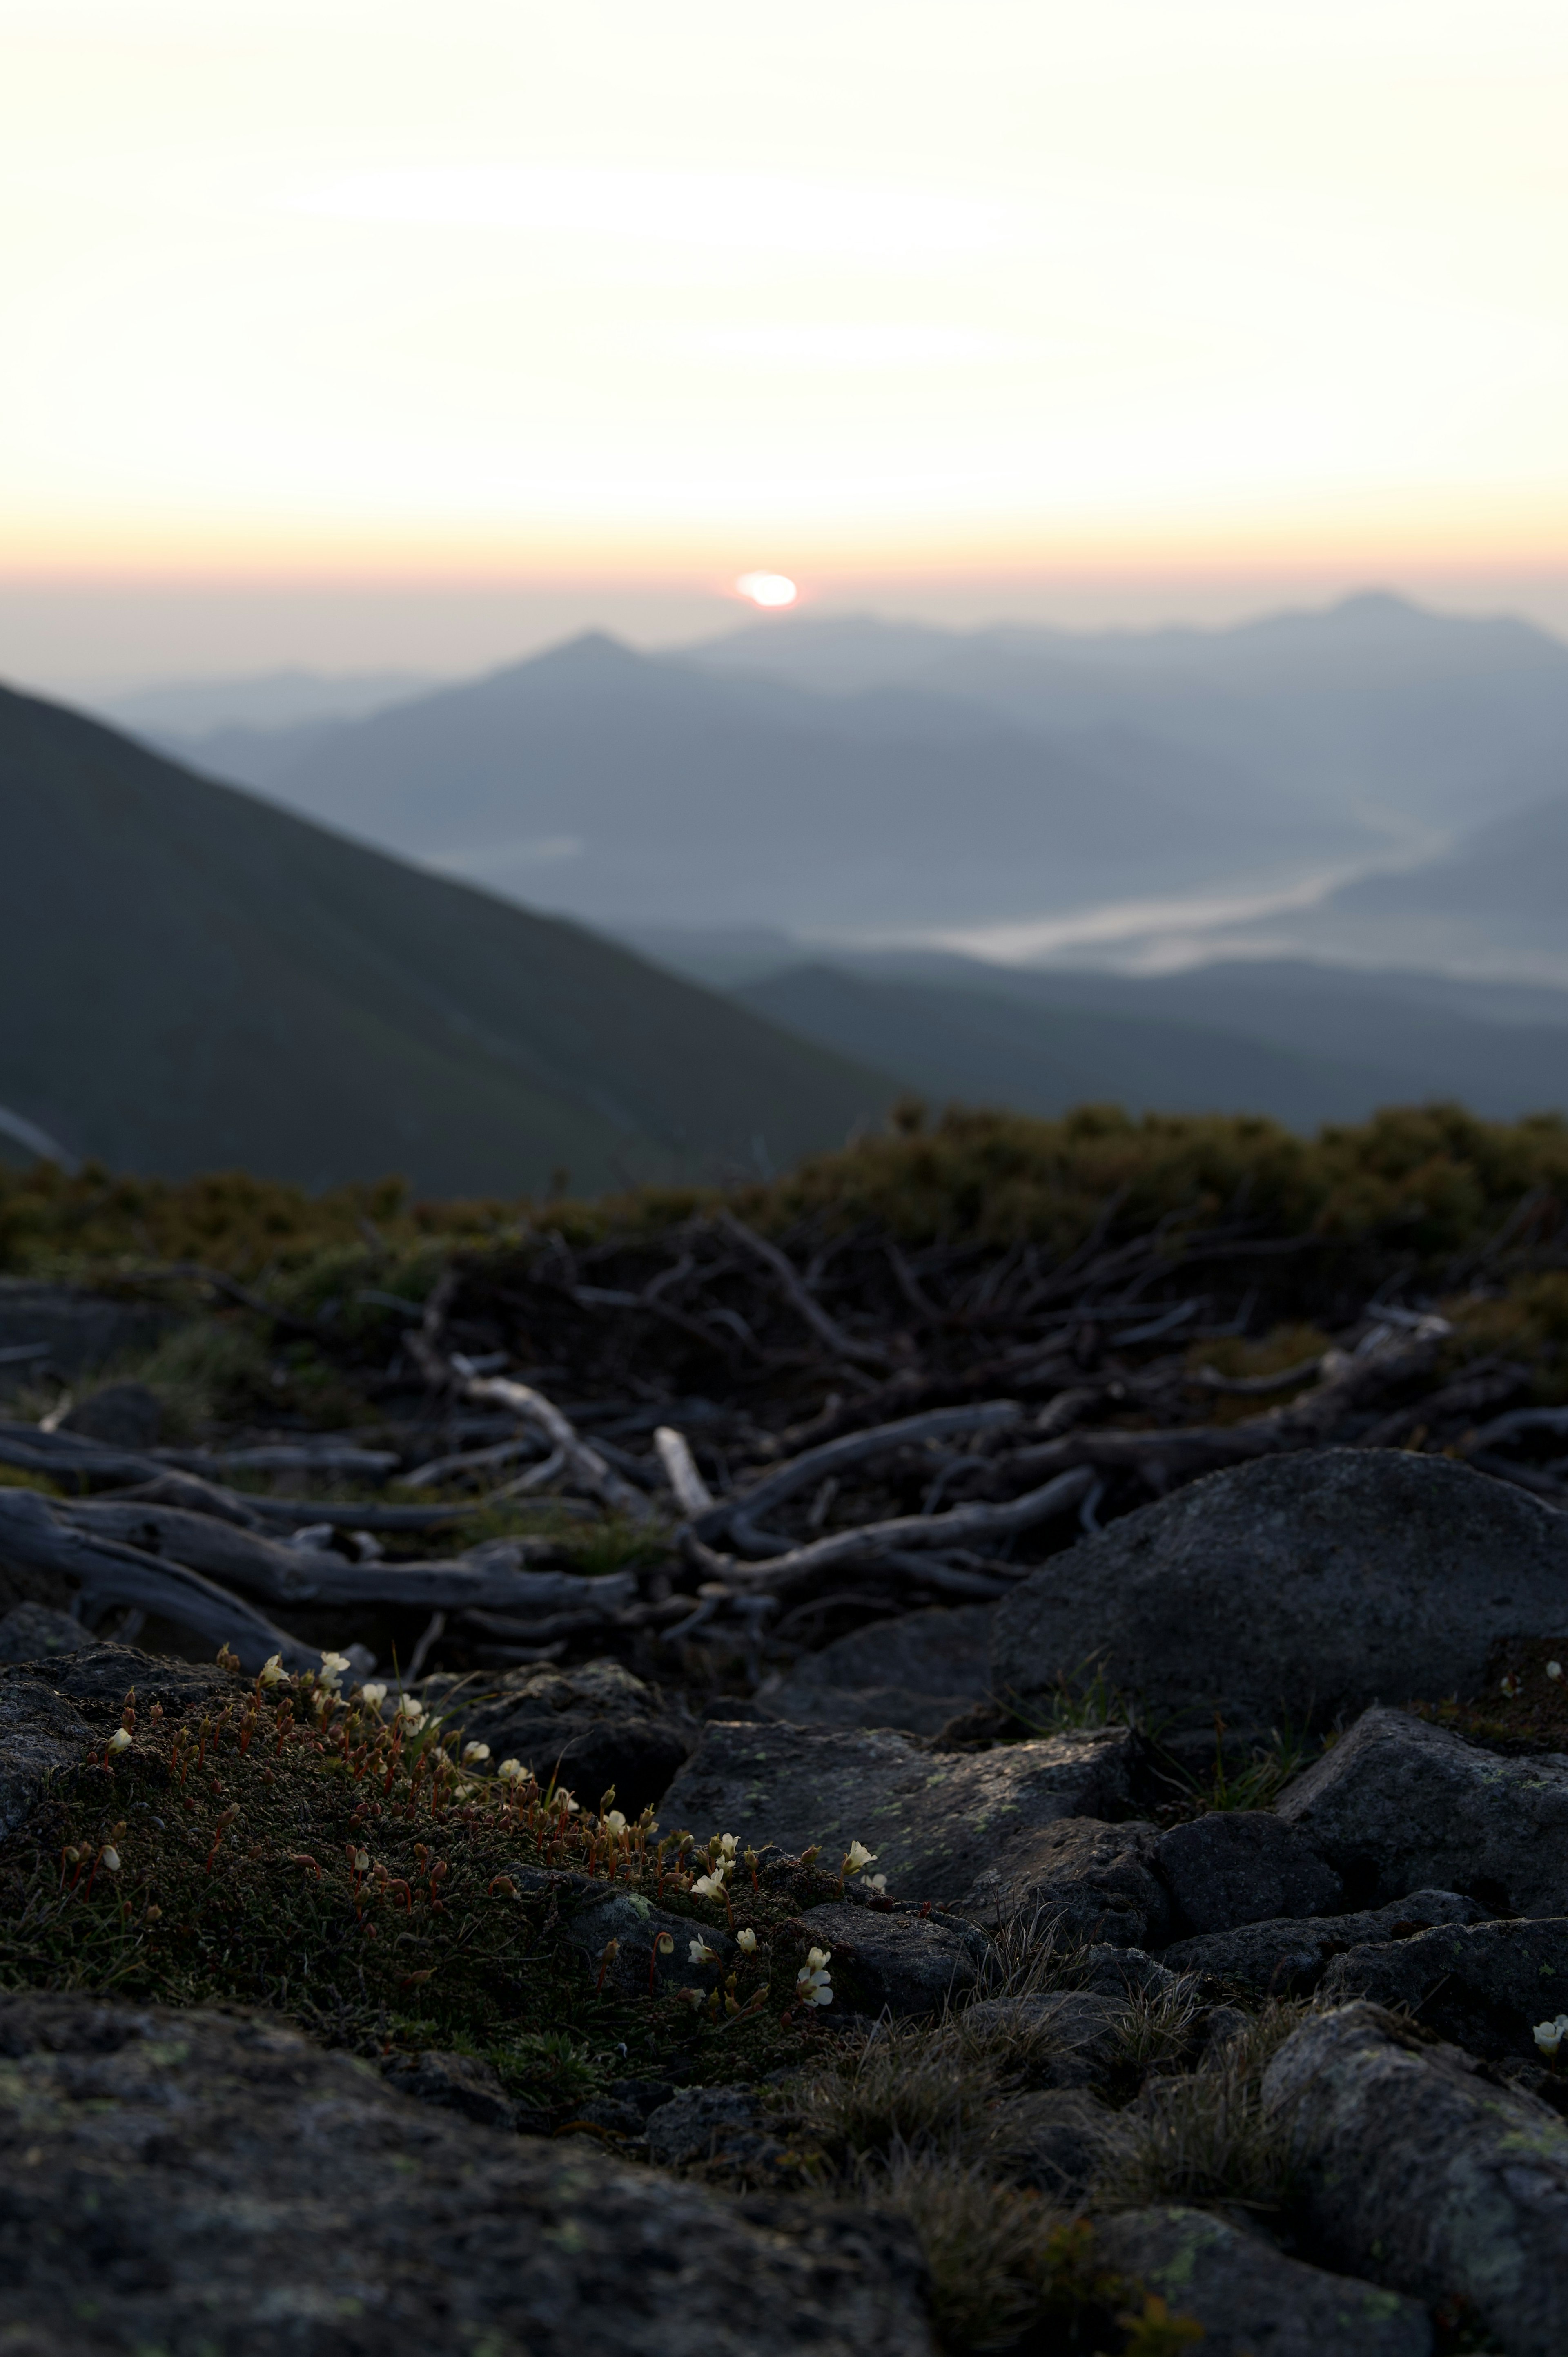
pixel 1549 2035
pixel 747 1942
pixel 726 1849
pixel 513 1771
pixel 857 1856
pixel 374 1694
pixel 1554 1669
pixel 813 1983
pixel 614 1823
pixel 1510 1685
pixel 110 1858
pixel 708 1886
pixel 700 1953
pixel 332 1668
pixel 271 1672
pixel 120 1741
pixel 875 1882
pixel 475 1750
pixel 362 1861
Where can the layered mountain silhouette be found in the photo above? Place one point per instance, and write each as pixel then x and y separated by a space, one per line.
pixel 190 979
pixel 627 788
pixel 849 777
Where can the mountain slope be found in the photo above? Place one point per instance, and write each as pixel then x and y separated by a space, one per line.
pixel 970 1046
pixel 189 978
pixel 627 788
pixel 1305 1043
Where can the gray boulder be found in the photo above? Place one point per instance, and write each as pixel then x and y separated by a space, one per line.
pixel 1242 1867
pixel 588 1728
pixel 932 1818
pixel 1312 1584
pixel 457 2082
pixel 1399 1805
pixel 717 2124
pixel 914 1672
pixel 1484 1985
pixel 41 1735
pixel 900 1962
pixel 1091 1883
pixel 190 2182
pixel 1289 1957
pixel 1251 2300
pixel 634 1966
pixel 1416 2172
pixel 123 1416
pixel 36 1633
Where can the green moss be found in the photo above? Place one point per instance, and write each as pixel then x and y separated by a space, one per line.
pixel 371 1890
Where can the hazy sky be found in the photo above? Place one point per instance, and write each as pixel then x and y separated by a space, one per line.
pixel 501 292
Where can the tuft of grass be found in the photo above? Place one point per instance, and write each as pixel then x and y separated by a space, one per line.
pixel 1257 1785
pixel 1204 2136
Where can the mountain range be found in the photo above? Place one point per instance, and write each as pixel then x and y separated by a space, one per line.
pixel 191 978
pixel 851 779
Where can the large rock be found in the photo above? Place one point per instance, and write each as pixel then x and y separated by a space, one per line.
pixel 1091 1884
pixel 1251 2300
pixel 123 1416
pixel 1238 1866
pixel 1310 1585
pixel 1398 1805
pixel 188 2181
pixel 1289 1957
pixel 41 1734
pixel 1417 2173
pixel 897 1961
pixel 73 1330
pixel 932 1818
pixel 914 1672
pixel 33 1632
pixel 1484 1987
pixel 588 1728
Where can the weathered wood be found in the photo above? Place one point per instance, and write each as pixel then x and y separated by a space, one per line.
pixel 108 1572
pixel 956 1526
pixel 738 1514
pixel 692 1494
pixel 292 1576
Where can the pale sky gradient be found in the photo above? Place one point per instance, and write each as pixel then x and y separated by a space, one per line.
pixel 506 291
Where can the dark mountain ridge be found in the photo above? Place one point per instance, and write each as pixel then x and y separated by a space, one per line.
pixel 190 979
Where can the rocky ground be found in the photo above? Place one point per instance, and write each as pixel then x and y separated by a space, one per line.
pixel 1201 1988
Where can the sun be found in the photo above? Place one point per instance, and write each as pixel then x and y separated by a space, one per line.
pixel 767 588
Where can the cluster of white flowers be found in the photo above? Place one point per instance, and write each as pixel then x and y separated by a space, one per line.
pixel 331 1675
pixel 1549 2036
pixel 813 1983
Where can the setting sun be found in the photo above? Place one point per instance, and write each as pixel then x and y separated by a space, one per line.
pixel 767 588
